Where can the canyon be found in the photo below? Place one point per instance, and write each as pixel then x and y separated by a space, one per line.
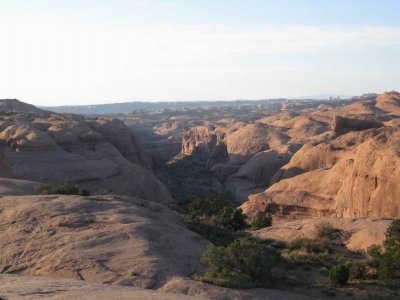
pixel 300 162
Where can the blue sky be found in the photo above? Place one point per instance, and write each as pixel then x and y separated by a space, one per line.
pixel 57 52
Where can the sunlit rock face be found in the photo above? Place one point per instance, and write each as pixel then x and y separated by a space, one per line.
pixel 94 153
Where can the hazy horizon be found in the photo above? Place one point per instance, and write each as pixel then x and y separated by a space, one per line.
pixel 97 52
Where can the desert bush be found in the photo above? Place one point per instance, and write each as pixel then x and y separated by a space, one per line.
pixel 215 212
pixel 305 258
pixel 61 188
pixel 231 218
pixel 305 244
pixel 339 274
pixel 65 188
pixel 261 221
pixel 357 270
pixel 386 259
pixel 200 210
pixel 325 230
pixel 242 261
pixel 45 189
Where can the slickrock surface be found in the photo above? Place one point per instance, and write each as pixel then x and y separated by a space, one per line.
pixel 105 239
pixel 14 287
pixel 356 175
pixel 357 234
pixel 15 187
pixel 95 153
pixel 353 171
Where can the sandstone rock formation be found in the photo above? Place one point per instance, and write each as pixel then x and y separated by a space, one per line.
pixel 95 153
pixel 357 234
pixel 116 240
pixel 389 102
pixel 200 139
pixel 15 187
pixel 38 287
pixel 105 239
pixel 341 125
pixel 43 287
pixel 355 175
pixel 254 138
pixel 12 106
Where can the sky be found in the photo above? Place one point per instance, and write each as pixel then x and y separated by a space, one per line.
pixel 75 52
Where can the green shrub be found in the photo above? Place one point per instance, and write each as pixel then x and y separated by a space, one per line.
pixel 65 188
pixel 228 282
pixel 305 244
pixel 339 274
pixel 387 262
pixel 215 212
pixel 231 218
pixel 45 189
pixel 61 188
pixel 325 230
pixel 240 261
pixel 304 258
pixel 200 210
pixel 358 270
pixel 261 221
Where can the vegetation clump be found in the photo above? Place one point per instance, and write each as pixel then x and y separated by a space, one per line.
pixel 241 264
pixel 325 230
pixel 261 221
pixel 61 188
pixel 216 212
pixel 386 259
pixel 339 274
pixel 317 251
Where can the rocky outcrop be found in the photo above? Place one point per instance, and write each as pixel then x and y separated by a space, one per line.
pixel 94 153
pixel 119 136
pixel 357 179
pixel 254 138
pixel 43 287
pixel 13 106
pixel 342 125
pixel 73 245
pixel 299 128
pixel 389 102
pixel 104 239
pixel 10 186
pixel 371 178
pixel 262 166
pixel 200 139
pixel 356 234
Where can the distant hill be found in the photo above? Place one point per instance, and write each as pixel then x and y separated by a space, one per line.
pixel 114 108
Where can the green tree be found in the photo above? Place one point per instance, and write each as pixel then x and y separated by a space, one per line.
pixel 200 210
pixel 339 274
pixel 241 259
pixel 231 218
pixel 261 221
pixel 325 230
pixel 387 262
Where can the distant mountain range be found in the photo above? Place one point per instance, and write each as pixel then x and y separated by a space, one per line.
pixel 114 108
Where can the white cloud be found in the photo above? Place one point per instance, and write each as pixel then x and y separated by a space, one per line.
pixel 46 58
